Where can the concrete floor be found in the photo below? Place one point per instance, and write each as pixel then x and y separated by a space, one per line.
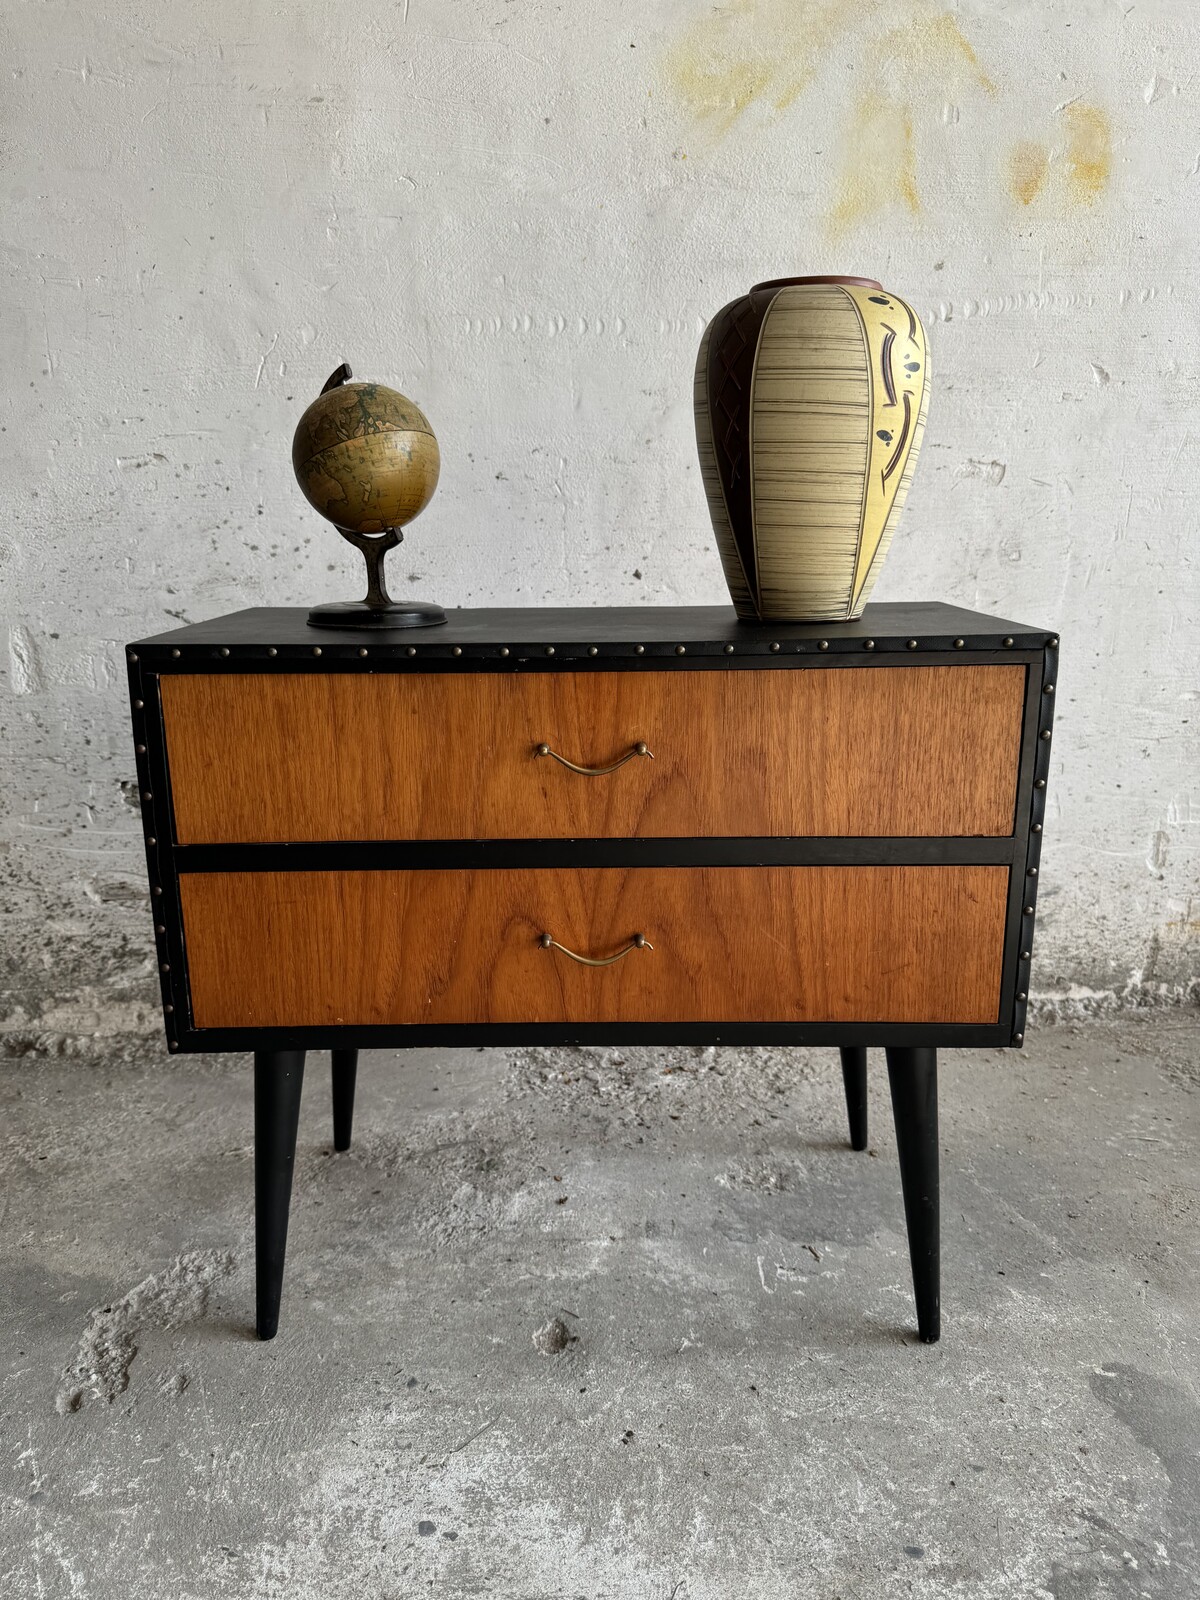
pixel 737 1407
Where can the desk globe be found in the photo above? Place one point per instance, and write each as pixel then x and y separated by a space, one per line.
pixel 366 458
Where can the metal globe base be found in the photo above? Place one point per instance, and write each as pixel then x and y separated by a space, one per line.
pixel 378 610
pixel 362 614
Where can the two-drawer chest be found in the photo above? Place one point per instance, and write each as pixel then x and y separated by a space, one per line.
pixel 549 826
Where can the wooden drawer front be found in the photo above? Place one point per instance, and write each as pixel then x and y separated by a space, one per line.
pixel 789 944
pixel 872 751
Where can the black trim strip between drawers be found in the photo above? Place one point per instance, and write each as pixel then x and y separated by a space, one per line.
pixel 385 855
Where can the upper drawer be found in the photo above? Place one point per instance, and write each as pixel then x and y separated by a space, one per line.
pixel 870 751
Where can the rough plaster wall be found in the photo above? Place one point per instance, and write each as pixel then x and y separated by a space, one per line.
pixel 522 214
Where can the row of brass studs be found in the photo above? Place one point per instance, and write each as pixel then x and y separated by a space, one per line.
pixel 503 651
pixel 141 750
pixel 1035 830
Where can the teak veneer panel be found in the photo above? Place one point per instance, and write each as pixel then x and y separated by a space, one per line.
pixel 788 944
pixel 864 751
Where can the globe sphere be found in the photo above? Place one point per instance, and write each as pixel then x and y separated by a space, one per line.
pixel 365 457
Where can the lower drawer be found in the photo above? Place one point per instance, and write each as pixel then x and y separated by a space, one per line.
pixel 769 944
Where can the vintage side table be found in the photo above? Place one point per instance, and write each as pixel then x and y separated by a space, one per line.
pixel 583 826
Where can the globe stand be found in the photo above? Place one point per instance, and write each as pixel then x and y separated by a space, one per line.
pixel 378 610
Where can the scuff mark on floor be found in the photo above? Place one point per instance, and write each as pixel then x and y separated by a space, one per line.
pixel 109 1342
pixel 553 1337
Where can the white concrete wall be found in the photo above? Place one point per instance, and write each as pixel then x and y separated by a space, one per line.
pixel 522 214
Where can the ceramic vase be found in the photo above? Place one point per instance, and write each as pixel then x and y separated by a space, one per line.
pixel 810 399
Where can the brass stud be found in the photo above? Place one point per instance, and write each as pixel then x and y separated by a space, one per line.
pixel 639 649
pixel 152 841
pixel 868 644
pixel 160 927
pixel 168 1009
pixel 543 750
pixel 271 650
pixel 141 749
pixel 138 704
pixel 958 643
pixel 1039 783
pixel 146 795
pixel 363 651
pixel 1054 644
pixel 175 653
pixel 1028 911
pixel 1031 872
pixel 316 650
pixel 173 1044
pixel 1008 643
pixel 681 650
pixel 156 892
pixel 912 644
pixel 1037 828
pixel 133 655
pixel 503 649
pixel 592 651
pixel 224 650
pixel 728 649
pixel 456 650
pixel 1018 1038
pixel 411 651
pixel 1022 995
pixel 1024 955
pixel 1047 688
pixel 164 966
pixel 549 649
pixel 1045 733
pixel 822 644
pixel 642 748
pixel 775 648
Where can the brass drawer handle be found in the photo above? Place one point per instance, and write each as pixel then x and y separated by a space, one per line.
pixel 638 942
pixel 639 749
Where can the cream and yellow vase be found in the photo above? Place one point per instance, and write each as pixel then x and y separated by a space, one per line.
pixel 810 396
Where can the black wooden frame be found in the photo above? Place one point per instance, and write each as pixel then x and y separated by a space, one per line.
pixel 270 641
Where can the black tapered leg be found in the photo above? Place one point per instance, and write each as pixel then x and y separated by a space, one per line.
pixel 854 1076
pixel 913 1077
pixel 345 1071
pixel 278 1078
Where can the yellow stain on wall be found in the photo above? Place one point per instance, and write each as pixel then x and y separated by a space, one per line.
pixel 720 90
pixel 1080 170
pixel 938 44
pixel 749 50
pixel 1089 150
pixel 1028 164
pixel 879 166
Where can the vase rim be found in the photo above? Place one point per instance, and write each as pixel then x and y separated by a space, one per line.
pixel 783 283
